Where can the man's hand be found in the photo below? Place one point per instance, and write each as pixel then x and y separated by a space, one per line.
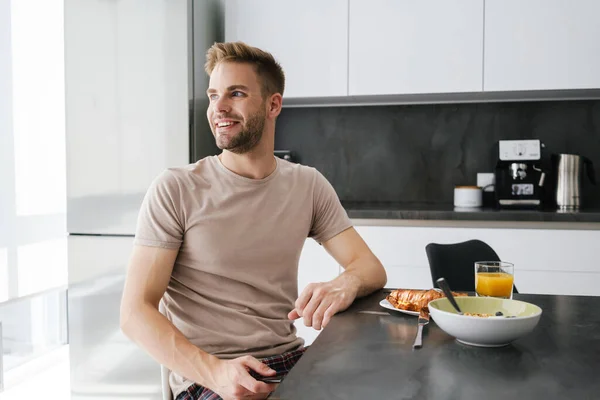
pixel 232 381
pixel 318 302
pixel 363 274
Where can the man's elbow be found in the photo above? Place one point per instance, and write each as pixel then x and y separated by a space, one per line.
pixel 382 275
pixel 127 318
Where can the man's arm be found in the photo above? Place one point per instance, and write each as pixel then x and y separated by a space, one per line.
pixel 363 275
pixel 358 261
pixel 148 275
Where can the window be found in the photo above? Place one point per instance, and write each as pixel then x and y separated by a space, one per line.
pixel 33 252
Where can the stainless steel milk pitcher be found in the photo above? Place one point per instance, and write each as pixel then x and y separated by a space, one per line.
pixel 568 170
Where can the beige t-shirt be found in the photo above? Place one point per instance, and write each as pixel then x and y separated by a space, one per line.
pixel 239 239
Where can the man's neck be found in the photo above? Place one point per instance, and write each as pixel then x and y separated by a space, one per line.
pixel 256 164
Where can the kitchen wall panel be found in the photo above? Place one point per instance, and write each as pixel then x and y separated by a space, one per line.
pixel 417 153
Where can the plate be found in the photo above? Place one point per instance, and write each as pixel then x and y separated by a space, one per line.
pixel 386 304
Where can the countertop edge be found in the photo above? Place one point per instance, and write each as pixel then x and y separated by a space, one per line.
pixel 492 224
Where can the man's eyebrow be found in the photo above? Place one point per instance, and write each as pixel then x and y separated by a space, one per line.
pixel 234 87
pixel 230 88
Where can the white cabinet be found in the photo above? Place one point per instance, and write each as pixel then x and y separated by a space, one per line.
pixel 309 38
pixel 405 46
pixel 547 261
pixel 343 48
pixel 541 45
pixel 401 250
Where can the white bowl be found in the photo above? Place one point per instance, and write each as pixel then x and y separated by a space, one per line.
pixel 490 331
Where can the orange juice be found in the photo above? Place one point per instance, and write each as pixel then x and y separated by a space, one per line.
pixel 494 284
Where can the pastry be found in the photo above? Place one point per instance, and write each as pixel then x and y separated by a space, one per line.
pixel 415 299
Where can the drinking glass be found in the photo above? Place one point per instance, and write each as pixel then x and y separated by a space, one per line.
pixel 494 279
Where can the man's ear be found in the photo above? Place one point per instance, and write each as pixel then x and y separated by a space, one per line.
pixel 274 105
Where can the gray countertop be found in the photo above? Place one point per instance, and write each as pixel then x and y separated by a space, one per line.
pixel 366 356
pixel 358 210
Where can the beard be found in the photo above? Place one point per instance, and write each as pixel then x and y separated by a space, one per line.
pixel 247 138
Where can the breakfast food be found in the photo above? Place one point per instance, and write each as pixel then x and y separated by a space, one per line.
pixel 414 299
pixel 478 315
pixel 498 314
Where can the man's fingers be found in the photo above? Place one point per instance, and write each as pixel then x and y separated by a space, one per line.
pixel 257 366
pixel 318 315
pixel 329 313
pixel 309 310
pixel 304 298
pixel 251 384
pixel 319 294
pixel 293 315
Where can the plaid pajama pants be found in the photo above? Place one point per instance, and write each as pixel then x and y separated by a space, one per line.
pixel 282 363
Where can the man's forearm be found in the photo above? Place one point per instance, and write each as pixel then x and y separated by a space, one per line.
pixel 152 331
pixel 365 274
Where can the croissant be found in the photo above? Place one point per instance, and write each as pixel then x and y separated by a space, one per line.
pixel 414 299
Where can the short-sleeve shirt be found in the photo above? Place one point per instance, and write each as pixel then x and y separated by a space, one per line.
pixel 239 242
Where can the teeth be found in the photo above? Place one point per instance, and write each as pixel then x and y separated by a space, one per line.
pixel 223 124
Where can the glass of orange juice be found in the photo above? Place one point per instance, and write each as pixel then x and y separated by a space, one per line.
pixel 494 279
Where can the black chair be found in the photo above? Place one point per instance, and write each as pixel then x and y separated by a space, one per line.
pixel 456 263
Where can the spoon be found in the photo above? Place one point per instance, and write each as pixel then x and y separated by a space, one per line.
pixel 446 289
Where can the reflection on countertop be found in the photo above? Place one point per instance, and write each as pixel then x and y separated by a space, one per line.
pixel 443 211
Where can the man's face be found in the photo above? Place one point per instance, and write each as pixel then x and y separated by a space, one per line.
pixel 236 111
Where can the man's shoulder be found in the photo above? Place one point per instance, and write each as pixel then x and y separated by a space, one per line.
pixel 298 169
pixel 185 174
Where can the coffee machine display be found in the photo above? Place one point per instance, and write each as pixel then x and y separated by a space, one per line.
pixel 519 175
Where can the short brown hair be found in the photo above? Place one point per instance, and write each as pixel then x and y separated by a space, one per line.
pixel 268 70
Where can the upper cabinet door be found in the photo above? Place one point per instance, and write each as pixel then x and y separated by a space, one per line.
pixel 309 38
pixel 407 46
pixel 541 44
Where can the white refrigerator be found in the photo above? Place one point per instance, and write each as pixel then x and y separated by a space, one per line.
pixel 133 69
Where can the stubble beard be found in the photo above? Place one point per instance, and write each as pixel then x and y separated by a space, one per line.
pixel 248 138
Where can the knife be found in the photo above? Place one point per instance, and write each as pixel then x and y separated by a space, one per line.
pixel 423 320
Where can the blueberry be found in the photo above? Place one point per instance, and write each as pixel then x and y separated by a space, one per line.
pixel 499 314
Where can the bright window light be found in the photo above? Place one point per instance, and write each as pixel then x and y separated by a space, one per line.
pixel 39 106
pixel 3 275
pixel 42 266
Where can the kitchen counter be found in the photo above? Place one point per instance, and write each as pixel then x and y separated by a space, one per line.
pixel 390 211
pixel 366 356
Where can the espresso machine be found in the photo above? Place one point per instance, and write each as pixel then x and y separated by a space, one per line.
pixel 519 175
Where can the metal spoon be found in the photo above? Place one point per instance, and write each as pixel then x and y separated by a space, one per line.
pixel 446 289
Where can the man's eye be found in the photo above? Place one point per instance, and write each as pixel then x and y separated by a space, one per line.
pixel 237 94
pixel 213 97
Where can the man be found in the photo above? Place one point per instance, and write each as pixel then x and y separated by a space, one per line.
pixel 219 242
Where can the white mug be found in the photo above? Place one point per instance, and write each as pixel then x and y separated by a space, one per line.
pixel 467 196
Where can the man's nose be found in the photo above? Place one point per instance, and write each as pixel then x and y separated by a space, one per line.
pixel 222 104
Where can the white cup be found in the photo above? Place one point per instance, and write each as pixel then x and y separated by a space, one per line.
pixel 467 196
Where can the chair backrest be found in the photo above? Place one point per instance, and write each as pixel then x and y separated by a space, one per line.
pixel 164 371
pixel 456 262
pixel 166 388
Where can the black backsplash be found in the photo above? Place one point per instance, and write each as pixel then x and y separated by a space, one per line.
pixel 418 153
